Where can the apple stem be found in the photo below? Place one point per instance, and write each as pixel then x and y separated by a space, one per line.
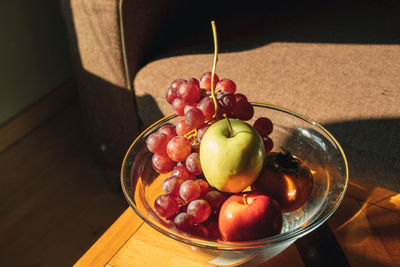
pixel 214 30
pixel 230 127
pixel 244 198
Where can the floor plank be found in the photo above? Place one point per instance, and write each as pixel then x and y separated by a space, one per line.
pixel 359 228
pixel 54 200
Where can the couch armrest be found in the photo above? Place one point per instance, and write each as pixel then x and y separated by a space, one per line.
pixel 109 41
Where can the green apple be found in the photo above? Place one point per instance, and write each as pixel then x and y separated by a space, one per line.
pixel 231 155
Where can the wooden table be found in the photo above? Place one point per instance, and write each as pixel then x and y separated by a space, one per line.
pixel 364 231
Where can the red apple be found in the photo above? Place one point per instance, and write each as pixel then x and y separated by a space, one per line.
pixel 249 216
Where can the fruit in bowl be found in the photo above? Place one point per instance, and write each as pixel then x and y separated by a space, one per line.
pixel 305 139
pixel 212 163
pixel 213 146
pixel 210 166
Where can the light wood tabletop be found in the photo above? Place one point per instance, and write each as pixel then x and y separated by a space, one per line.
pixel 364 231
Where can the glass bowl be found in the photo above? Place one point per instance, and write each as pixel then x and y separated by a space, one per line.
pixel 299 134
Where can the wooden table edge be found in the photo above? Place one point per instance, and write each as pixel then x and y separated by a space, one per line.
pixel 101 252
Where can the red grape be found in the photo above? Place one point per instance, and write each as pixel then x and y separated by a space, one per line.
pixel 194 81
pixel 194 118
pixel 195 147
pixel 171 95
pixel 193 163
pixel 157 143
pixel 263 126
pixel 170 220
pixel 190 190
pixel 202 131
pixel 241 98
pixel 189 106
pixel 178 105
pixel 189 92
pixel 177 82
pixel 215 199
pixel 183 221
pixel 206 105
pixel 205 80
pixel 162 163
pixel 221 111
pixel 226 85
pixel 199 209
pixel 182 128
pixel 172 184
pixel 165 206
pixel 227 101
pixel 168 130
pixel 243 109
pixel 268 144
pixel 178 148
pixel 200 230
pixel 183 172
pixel 213 230
pixel 205 187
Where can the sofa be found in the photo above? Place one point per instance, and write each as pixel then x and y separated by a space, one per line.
pixel 337 62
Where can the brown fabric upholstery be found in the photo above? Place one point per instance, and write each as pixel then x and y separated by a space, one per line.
pixel 328 82
pixel 105 99
pixel 110 41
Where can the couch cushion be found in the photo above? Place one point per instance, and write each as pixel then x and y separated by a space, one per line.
pixel 329 83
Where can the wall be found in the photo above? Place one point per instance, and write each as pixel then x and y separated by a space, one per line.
pixel 34 53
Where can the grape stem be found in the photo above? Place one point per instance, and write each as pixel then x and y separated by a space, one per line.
pixel 192 133
pixel 214 30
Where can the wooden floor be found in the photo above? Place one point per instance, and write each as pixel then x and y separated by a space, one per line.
pixel 54 199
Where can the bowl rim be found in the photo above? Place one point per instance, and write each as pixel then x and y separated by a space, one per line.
pixel 290 236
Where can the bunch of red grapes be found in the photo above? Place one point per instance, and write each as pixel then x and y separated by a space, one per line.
pixel 192 99
pixel 189 203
